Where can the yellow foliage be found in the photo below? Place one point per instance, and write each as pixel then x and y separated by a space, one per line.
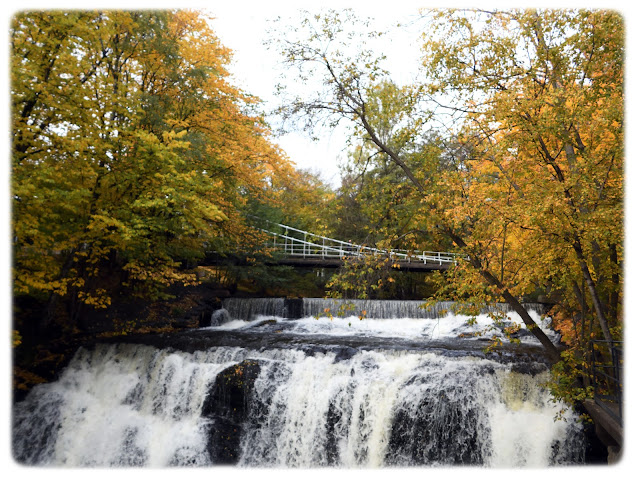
pixel 16 338
pixel 140 161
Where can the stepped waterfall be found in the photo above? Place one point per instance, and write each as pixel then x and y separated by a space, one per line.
pixel 317 391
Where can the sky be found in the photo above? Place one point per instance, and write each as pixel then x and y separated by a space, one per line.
pixel 256 69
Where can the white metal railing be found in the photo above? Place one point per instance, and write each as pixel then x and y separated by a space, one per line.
pixel 311 245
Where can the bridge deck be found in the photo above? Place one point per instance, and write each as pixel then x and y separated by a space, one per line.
pixel 306 248
pixel 292 246
pixel 337 262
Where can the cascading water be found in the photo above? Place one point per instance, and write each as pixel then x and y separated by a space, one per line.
pixel 249 308
pixel 396 308
pixel 120 405
pixel 292 403
pixel 396 409
pixel 388 318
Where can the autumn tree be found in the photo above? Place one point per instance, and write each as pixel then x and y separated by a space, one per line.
pixel 375 204
pixel 529 182
pixel 542 94
pixel 131 152
pixel 302 200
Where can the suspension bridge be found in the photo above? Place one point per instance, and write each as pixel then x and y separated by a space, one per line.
pixel 292 246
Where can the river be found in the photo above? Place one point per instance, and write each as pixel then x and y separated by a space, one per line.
pixel 404 386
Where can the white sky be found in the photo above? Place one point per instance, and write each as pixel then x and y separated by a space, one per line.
pixel 256 69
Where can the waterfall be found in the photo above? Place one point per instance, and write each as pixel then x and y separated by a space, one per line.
pixel 390 318
pixel 397 308
pixel 127 405
pixel 382 409
pixel 120 405
pixel 249 308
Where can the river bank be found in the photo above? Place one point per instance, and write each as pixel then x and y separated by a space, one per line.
pixel 40 356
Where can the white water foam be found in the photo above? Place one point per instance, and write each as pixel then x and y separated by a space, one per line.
pixel 130 405
pixel 121 406
pixel 405 319
pixel 450 326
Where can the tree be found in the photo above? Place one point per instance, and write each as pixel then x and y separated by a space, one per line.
pixel 131 151
pixel 524 190
pixel 394 210
pixel 376 205
pixel 544 106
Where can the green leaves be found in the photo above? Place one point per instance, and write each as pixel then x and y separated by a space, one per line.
pixel 131 151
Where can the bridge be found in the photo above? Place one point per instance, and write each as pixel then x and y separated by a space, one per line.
pixel 301 248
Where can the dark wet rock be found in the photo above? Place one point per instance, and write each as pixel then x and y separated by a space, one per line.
pixel 529 368
pixel 275 335
pixel 227 406
pixel 344 353
pixel 442 428
pixel 293 307
pixel 268 322
pixel 231 390
pixel 521 333
pixel 334 434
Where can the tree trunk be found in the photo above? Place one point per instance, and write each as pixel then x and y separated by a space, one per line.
pixel 591 286
pixel 513 302
pixel 488 276
pixel 54 298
